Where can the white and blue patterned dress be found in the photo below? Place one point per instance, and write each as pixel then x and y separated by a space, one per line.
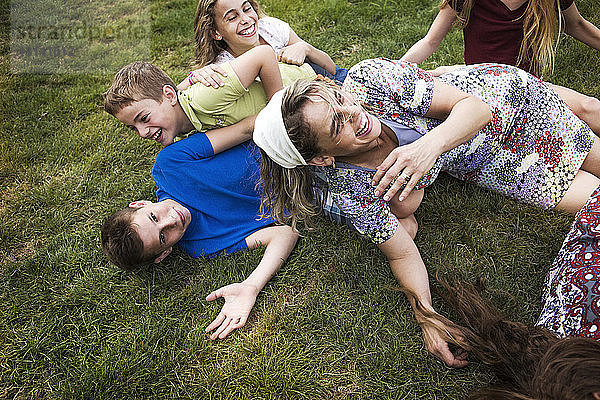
pixel 530 151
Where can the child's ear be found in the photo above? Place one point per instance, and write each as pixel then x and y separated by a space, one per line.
pixel 322 161
pixel 170 94
pixel 216 35
pixel 139 203
pixel 163 255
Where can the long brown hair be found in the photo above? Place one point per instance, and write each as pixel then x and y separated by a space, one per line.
pixel 530 362
pixel 288 193
pixel 207 47
pixel 542 21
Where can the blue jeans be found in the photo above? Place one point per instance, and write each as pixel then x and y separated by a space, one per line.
pixel 340 73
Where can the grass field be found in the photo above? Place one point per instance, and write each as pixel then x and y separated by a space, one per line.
pixel 327 326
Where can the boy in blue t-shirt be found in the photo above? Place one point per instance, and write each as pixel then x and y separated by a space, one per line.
pixel 208 204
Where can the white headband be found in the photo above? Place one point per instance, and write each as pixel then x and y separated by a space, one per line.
pixel 271 136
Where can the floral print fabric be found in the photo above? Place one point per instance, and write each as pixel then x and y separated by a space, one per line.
pixel 571 299
pixel 530 151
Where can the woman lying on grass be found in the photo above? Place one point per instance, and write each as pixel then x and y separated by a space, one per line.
pixel 560 357
pixel 493 125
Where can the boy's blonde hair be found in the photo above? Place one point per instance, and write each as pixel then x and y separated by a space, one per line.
pixel 134 82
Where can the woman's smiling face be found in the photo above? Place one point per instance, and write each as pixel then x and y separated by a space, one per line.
pixel 343 128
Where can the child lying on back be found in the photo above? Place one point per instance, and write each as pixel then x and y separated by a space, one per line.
pixel 206 184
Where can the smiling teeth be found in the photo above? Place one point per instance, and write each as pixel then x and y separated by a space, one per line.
pixel 156 135
pixel 245 31
pixel 363 126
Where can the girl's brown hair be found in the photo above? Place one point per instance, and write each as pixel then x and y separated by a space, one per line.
pixel 207 47
pixel 542 22
pixel 530 361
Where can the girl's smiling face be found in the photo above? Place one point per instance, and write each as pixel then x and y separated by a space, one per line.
pixel 237 24
pixel 343 128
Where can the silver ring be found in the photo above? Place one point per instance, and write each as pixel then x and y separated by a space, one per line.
pixel 404 176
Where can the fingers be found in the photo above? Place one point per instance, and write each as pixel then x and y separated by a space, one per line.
pixel 225 326
pixel 442 351
pixel 235 324
pixel 382 169
pixel 215 335
pixel 387 171
pixel 438 71
pixel 217 68
pixel 410 185
pixel 208 76
pixel 399 182
pixel 218 321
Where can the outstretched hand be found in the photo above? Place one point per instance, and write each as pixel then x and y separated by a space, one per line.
pixel 405 165
pixel 239 300
pixel 439 348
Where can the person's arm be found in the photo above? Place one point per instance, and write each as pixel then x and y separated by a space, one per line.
pixel 438 30
pixel 297 51
pixel 580 28
pixel 408 268
pixel 463 115
pixel 208 76
pixel 225 138
pixel 259 61
pixel 240 297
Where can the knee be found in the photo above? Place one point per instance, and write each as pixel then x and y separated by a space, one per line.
pixel 588 107
pixel 410 225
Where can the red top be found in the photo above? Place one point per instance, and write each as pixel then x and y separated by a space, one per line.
pixel 494 32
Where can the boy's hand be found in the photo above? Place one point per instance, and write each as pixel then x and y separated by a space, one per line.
pixel 239 300
pixel 208 76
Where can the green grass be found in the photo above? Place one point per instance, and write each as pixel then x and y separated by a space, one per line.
pixel 327 325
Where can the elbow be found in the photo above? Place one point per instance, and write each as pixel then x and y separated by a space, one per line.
pixel 288 233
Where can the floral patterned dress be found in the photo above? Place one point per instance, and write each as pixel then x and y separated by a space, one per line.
pixel 530 151
pixel 571 299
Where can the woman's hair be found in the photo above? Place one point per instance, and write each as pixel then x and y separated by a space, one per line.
pixel 541 25
pixel 529 361
pixel 207 47
pixel 288 193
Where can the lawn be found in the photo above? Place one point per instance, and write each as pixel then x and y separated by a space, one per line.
pixel 328 325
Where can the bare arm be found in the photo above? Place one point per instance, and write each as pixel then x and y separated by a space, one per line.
pixel 409 269
pixel 297 51
pixel 240 297
pixel 438 30
pixel 580 28
pixel 464 115
pixel 259 61
pixel 225 138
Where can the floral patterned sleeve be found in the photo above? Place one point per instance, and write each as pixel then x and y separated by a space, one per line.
pixel 352 192
pixel 388 85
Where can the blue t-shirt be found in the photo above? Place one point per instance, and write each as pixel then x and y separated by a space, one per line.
pixel 218 189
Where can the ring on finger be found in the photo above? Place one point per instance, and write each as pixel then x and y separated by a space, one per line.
pixel 405 176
